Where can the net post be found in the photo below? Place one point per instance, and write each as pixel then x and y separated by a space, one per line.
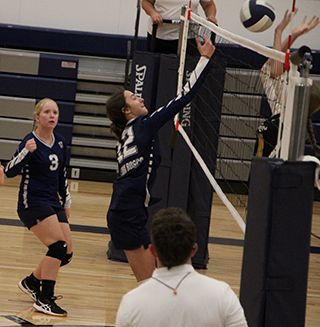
pixel 296 113
pixel 182 51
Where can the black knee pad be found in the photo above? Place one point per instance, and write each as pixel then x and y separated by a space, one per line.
pixel 67 258
pixel 57 250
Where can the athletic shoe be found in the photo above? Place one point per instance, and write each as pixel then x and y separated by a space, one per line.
pixel 31 290
pixel 50 307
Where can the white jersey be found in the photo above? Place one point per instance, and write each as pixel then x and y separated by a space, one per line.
pixel 273 88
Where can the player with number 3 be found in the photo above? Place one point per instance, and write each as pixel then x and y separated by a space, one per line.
pixel 44 202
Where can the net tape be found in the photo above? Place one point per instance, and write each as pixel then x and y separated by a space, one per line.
pixel 237 39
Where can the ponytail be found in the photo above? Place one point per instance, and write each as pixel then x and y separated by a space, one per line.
pixel 312 137
pixel 115 107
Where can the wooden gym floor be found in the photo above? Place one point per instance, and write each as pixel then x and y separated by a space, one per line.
pixel 92 286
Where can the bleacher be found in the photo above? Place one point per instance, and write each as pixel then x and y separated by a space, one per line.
pixel 80 71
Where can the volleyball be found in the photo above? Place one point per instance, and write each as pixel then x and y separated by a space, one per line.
pixel 257 15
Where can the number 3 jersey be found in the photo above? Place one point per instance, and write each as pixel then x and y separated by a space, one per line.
pixel 43 179
pixel 138 150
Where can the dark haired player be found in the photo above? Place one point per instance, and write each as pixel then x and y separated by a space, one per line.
pixel 138 155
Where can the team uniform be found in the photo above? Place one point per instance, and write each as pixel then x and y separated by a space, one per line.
pixel 267 132
pixel 139 156
pixel 273 88
pixel 44 187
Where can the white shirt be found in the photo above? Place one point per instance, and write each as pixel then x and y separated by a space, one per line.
pixel 200 301
pixel 171 9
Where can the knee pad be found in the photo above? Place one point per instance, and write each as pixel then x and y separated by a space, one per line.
pixel 57 250
pixel 67 258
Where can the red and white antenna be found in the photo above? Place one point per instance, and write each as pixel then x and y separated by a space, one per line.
pixel 287 59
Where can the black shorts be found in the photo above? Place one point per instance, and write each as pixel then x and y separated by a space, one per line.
pixel 128 228
pixel 31 216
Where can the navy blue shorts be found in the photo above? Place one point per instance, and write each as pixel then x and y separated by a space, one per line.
pixel 30 216
pixel 128 228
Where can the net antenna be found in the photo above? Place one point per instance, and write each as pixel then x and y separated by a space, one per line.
pixel 285 78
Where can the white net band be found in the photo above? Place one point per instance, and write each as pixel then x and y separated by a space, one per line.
pixel 265 51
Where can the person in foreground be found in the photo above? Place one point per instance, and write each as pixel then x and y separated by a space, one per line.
pixel 44 203
pixel 176 295
pixel 139 155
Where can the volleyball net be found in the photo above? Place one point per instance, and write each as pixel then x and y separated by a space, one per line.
pixel 250 96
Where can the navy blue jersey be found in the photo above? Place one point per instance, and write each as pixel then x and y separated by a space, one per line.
pixel 138 150
pixel 43 179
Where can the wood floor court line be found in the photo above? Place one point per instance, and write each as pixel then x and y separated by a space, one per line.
pixel 105 230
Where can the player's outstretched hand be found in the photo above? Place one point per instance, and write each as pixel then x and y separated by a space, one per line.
pixel 305 27
pixel 285 20
pixel 207 48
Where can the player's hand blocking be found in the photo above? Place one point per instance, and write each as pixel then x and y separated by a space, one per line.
pixel 207 49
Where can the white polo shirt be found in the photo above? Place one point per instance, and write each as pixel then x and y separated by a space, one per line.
pixel 199 301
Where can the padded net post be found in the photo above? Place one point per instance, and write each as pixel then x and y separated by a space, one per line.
pixel 275 263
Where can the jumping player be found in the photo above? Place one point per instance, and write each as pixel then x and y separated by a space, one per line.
pixel 139 155
pixel 271 76
pixel 44 203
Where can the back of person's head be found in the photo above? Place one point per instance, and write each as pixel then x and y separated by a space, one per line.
pixel 314 106
pixel 173 235
pixel 115 112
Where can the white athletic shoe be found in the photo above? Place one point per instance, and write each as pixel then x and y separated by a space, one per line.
pixel 49 307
